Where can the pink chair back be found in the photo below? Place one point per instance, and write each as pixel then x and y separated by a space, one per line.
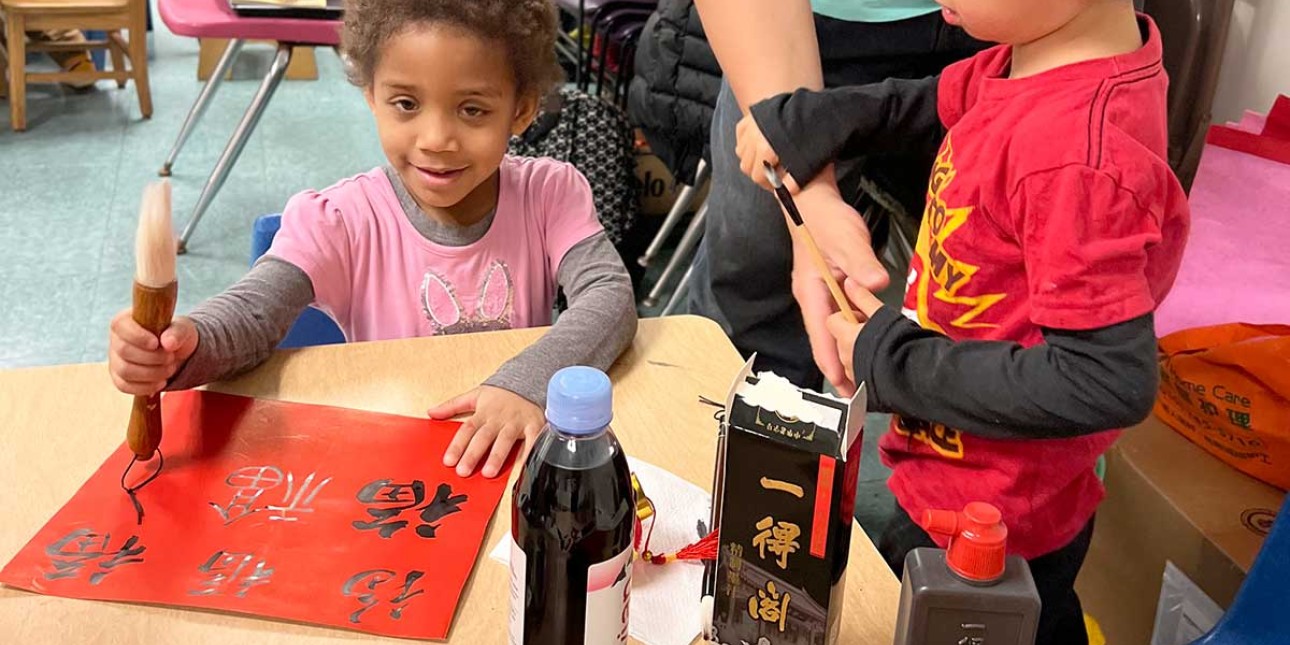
pixel 215 19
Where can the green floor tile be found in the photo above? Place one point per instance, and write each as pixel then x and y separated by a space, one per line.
pixel 70 187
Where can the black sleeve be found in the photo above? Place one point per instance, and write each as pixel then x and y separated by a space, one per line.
pixel 809 130
pixel 1075 383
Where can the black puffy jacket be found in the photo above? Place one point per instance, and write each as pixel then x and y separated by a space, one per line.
pixel 675 88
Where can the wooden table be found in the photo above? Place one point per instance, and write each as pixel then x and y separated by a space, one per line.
pixel 58 424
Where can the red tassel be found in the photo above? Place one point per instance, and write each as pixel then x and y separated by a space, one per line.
pixel 704 549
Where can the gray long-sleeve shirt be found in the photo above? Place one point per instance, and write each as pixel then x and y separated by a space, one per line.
pixel 239 328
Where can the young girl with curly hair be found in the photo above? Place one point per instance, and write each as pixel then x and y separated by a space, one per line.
pixel 452 236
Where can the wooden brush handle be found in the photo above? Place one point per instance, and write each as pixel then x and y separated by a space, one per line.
pixel 825 272
pixel 153 310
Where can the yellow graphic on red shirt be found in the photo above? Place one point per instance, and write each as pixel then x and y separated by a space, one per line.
pixel 950 275
pixel 946 441
pixel 936 273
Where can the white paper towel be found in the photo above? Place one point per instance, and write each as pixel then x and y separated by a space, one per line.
pixel 665 598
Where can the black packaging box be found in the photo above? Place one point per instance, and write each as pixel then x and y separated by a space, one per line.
pixel 792 462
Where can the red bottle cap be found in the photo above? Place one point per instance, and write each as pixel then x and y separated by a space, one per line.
pixel 978 540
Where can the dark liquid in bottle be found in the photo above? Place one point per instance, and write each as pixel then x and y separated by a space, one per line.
pixel 566 521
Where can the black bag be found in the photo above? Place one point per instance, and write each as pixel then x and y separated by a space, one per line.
pixel 594 136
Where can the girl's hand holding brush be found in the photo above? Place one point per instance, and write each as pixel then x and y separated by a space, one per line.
pixel 140 362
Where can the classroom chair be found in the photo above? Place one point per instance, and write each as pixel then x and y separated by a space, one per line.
pixel 215 19
pixel 110 16
pixel 581 11
pixel 1258 615
pixel 688 245
pixel 615 34
pixel 684 200
pixel 313 327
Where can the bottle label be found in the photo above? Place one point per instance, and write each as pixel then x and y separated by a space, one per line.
pixel 519 565
pixel 609 589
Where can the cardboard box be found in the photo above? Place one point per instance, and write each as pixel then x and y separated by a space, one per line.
pixel 1169 500
pixel 792 462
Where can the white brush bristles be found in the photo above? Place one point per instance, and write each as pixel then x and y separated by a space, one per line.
pixel 154 244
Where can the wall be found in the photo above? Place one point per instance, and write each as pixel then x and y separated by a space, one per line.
pixel 1256 65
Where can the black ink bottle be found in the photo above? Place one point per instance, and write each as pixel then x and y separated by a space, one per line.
pixel 972 594
pixel 573 517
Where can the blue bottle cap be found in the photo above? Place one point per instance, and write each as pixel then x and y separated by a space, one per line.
pixel 580 400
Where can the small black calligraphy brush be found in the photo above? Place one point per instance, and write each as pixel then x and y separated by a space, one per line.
pixel 786 200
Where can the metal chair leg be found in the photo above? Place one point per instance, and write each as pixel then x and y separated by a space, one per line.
pixel 681 289
pixel 601 63
pixel 683 250
pixel 579 73
pixel 679 207
pixel 238 141
pixel 203 100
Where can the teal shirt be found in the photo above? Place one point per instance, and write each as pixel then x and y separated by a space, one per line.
pixel 873 10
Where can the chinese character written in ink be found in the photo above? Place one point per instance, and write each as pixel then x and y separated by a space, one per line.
pixel 80 547
pixel 783 487
pixel 770 606
pixel 780 538
pixel 374 578
pixel 225 568
pixel 1239 418
pixel 391 500
pixel 973 634
pixel 443 505
pixel 394 499
pixel 251 482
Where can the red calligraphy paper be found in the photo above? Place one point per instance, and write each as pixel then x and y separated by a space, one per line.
pixel 307 513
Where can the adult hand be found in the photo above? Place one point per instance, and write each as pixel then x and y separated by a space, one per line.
pixel 844 240
pixel 841 233
pixel 817 305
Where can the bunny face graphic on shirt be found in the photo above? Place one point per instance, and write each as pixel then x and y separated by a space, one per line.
pixel 493 302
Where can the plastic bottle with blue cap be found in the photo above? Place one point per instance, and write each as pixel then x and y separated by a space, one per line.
pixel 573 522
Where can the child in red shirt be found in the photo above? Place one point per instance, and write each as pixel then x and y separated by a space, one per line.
pixel 1053 228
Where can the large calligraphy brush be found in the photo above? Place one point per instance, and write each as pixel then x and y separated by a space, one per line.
pixel 786 200
pixel 155 292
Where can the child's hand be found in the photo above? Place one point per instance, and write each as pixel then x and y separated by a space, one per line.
pixel 846 333
pixel 499 419
pixel 754 150
pixel 140 363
